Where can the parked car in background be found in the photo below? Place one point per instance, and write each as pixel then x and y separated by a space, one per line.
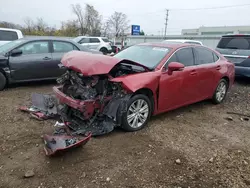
pixel 117 47
pixel 184 41
pixel 8 35
pixel 30 59
pixel 101 44
pixel 236 48
pixel 140 81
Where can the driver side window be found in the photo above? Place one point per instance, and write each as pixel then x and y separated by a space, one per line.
pixel 172 59
pixel 38 47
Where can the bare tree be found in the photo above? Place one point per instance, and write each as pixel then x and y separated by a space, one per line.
pixel 41 25
pixel 29 24
pixel 78 11
pixel 92 21
pixel 119 23
pixel 106 29
pixel 69 28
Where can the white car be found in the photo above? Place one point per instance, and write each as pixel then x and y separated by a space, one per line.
pixel 8 35
pixel 184 41
pixel 101 44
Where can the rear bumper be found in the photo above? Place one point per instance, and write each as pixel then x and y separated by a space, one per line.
pixel 242 71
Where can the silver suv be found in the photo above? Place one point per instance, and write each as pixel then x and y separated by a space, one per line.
pixel 236 48
pixel 95 43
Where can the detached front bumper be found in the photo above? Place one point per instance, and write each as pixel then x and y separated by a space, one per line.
pixel 242 71
pixel 87 107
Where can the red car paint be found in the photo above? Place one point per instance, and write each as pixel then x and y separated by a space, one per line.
pixel 91 64
pixel 87 107
pixel 170 90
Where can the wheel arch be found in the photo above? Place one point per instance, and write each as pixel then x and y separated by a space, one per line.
pixel 5 74
pixel 149 93
pixel 227 79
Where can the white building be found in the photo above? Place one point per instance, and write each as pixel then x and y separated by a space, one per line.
pixel 217 30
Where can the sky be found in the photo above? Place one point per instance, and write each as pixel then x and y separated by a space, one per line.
pixel 150 15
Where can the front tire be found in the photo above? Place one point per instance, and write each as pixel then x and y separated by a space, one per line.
pixel 138 113
pixel 3 81
pixel 220 92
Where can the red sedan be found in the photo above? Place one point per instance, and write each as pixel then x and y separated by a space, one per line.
pixel 143 80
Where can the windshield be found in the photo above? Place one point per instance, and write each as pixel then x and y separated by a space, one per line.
pixel 148 56
pixel 8 46
pixel 242 43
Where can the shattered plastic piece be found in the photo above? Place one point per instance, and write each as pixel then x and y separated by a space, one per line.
pixel 61 143
pixel 97 128
pixel 43 107
pixel 46 103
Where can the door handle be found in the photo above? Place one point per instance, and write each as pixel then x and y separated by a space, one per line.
pixel 218 67
pixel 193 72
pixel 46 58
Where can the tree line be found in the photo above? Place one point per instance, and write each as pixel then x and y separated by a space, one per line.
pixel 88 22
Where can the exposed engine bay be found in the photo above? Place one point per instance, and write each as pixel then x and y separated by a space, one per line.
pixel 104 101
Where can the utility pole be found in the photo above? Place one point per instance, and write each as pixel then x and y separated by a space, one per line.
pixel 166 24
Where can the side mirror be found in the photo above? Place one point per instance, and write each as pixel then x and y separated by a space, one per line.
pixel 16 52
pixel 175 66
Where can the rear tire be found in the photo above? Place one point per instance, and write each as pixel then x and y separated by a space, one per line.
pixel 3 81
pixel 220 92
pixel 138 113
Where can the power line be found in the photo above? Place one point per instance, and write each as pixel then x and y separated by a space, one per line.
pixel 211 8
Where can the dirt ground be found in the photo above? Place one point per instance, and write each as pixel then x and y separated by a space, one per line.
pixel 213 151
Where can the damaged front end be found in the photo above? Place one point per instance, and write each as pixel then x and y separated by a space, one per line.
pixel 91 103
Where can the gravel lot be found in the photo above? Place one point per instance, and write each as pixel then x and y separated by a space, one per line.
pixel 195 146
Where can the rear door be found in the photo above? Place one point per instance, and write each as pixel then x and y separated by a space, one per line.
pixel 207 69
pixel 33 63
pixel 235 48
pixel 179 88
pixel 94 43
pixel 58 50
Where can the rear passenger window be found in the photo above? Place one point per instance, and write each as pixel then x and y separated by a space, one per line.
pixel 185 56
pixel 203 56
pixel 94 40
pixel 60 47
pixel 8 35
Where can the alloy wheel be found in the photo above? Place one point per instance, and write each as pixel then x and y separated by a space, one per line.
pixel 138 113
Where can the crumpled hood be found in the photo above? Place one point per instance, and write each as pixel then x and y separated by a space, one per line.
pixel 92 64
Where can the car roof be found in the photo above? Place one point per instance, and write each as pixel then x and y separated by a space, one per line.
pixel 33 38
pixel 167 45
pixel 181 40
pixel 8 29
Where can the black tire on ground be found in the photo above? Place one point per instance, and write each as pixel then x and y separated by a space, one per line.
pixel 2 81
pixel 218 98
pixel 140 115
pixel 104 50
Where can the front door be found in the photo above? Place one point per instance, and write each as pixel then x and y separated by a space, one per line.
pixel 33 63
pixel 180 87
